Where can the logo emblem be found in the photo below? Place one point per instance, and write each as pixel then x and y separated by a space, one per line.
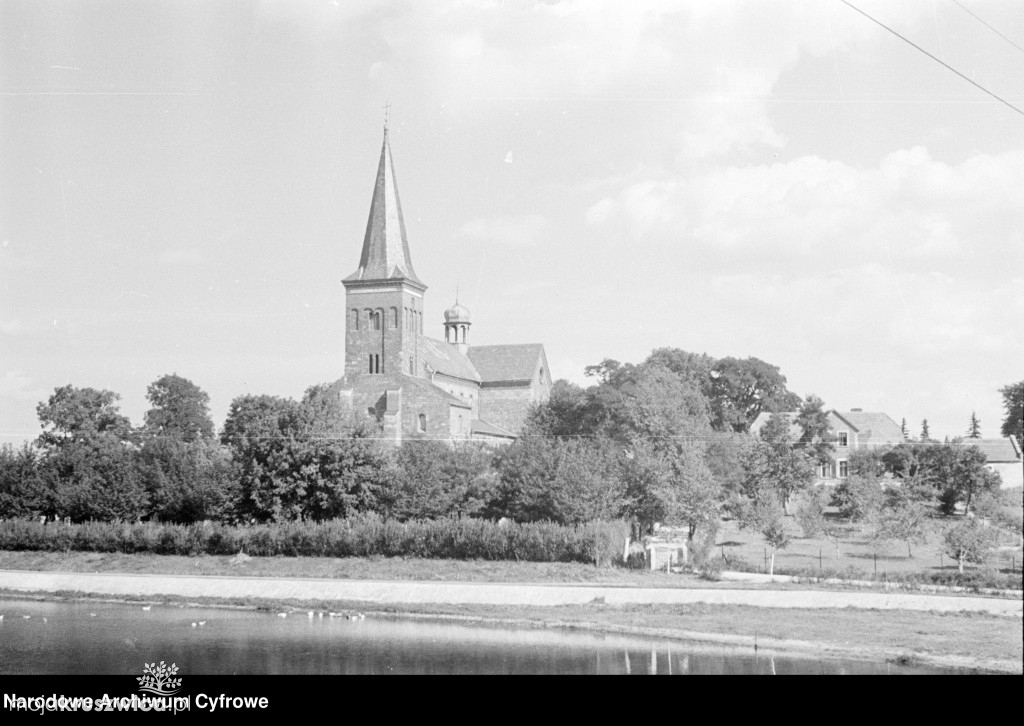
pixel 159 679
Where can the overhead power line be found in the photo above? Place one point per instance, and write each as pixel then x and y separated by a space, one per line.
pixel 988 26
pixel 937 60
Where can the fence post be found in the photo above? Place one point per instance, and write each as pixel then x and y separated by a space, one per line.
pixel 766 560
pixel 819 559
pixel 875 556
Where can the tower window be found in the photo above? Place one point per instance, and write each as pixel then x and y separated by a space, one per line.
pixel 375 320
pixel 394 318
pixel 371 363
pixel 355 320
pixel 423 423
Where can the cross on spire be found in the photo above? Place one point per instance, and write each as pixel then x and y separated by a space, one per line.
pixel 387 115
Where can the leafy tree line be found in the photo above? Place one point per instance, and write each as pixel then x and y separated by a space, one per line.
pixel 635 445
pixel 662 441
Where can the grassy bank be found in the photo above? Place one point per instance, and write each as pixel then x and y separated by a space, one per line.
pixel 970 641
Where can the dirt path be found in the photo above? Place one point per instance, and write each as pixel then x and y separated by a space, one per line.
pixel 482 593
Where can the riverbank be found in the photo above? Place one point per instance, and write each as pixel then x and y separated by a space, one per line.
pixel 787 618
pixel 968 641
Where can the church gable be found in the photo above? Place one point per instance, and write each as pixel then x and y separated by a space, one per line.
pixel 440 357
pixel 507 363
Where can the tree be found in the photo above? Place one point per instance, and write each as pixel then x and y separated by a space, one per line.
pixel 180 409
pixel 94 478
pixel 88 465
pixel 1013 401
pixel 813 520
pixel 75 414
pixel 969 541
pixel 563 480
pixel 774 465
pixel 815 431
pixel 974 430
pixel 567 412
pixel 185 481
pixel 903 429
pixel 742 389
pixel 22 491
pixel 925 435
pixel 903 519
pixel 692 368
pixel 859 497
pixel 765 517
pixel 304 460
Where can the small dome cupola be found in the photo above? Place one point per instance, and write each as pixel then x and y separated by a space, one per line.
pixel 456 325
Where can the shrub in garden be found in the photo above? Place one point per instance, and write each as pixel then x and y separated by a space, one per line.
pixel 968 541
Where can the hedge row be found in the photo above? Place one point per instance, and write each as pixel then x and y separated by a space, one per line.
pixel 465 539
pixel 972 579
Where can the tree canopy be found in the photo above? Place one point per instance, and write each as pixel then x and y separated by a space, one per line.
pixel 1013 402
pixel 180 409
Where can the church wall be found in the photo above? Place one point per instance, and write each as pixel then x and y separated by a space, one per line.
pixel 506 406
pixel 466 391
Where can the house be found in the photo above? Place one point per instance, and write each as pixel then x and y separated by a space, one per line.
pixel 415 385
pixel 854 430
pixel 1002 456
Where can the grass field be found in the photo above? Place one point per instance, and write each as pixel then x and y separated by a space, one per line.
pixel 856 551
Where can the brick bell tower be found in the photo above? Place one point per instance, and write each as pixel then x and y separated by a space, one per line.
pixel 384 298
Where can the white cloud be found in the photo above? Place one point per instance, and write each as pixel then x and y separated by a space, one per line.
pixel 16 385
pixel 182 257
pixel 523 231
pixel 12 327
pixel 909 207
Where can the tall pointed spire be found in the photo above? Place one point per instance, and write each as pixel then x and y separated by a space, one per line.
pixel 385 253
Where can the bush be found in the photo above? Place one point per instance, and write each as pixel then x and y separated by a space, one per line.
pixel 363 535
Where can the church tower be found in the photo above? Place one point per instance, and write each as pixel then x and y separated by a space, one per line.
pixel 384 297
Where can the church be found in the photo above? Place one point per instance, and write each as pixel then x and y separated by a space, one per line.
pixel 420 387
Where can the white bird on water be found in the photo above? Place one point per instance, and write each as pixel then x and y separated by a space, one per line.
pixel 202 623
pixel 310 615
pixel 282 615
pixel 193 625
pixel 92 615
pixel 26 616
pixel 147 608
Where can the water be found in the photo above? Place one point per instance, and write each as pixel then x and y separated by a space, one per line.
pixel 104 638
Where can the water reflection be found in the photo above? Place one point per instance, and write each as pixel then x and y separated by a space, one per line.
pixel 102 638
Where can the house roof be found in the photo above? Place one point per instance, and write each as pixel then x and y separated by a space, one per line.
pixel 486 429
pixel 872 427
pixel 506 362
pixel 762 419
pixel 997 451
pixel 385 253
pixel 445 358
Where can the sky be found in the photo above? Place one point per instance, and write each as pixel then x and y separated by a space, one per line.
pixel 183 185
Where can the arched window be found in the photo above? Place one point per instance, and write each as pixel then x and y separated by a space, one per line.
pixel 423 423
pixel 394 318
pixel 375 320
pixel 371 363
